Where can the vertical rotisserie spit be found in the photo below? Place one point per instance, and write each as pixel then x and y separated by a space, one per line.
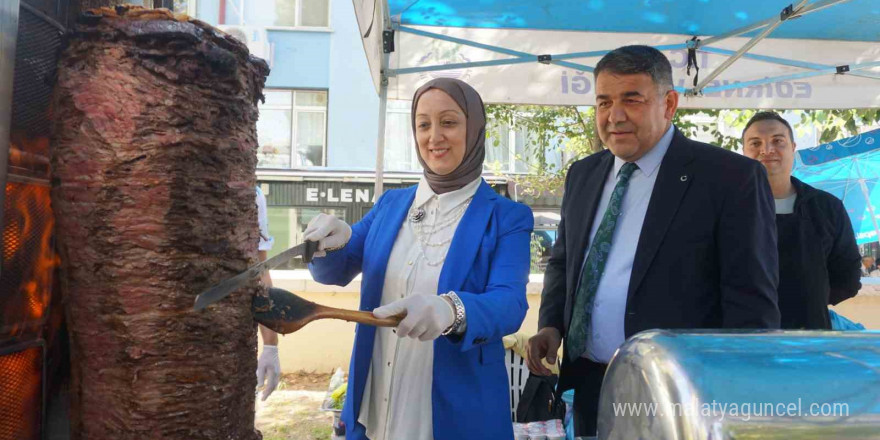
pixel 153 158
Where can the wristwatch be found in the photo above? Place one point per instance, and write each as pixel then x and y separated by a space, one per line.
pixel 458 308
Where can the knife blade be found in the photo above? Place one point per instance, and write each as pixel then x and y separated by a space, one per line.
pixel 222 289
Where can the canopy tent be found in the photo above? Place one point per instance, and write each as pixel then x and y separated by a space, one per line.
pixel 750 53
pixel 850 170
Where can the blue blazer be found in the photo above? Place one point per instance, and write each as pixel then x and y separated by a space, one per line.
pixel 488 267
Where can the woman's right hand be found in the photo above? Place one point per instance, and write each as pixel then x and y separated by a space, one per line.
pixel 330 232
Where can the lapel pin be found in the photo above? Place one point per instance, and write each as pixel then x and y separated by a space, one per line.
pixel 417 215
pixel 684 178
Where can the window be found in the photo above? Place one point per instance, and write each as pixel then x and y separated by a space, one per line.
pixel 276 13
pixel 498 150
pixel 287 225
pixel 292 129
pixel 400 148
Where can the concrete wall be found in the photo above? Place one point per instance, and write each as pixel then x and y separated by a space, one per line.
pixel 324 345
pixel 208 11
pixel 353 106
pixel 300 60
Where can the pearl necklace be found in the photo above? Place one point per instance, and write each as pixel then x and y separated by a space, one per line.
pixel 423 236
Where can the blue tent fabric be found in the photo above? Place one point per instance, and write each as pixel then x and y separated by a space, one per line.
pixel 840 322
pixel 850 170
pixel 855 20
pixel 840 149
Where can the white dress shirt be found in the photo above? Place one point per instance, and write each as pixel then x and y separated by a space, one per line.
pixel 266 240
pixel 609 304
pixel 397 398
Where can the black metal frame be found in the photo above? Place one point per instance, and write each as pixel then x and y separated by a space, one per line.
pixel 16 347
pixel 60 9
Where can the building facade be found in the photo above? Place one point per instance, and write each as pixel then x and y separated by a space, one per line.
pixel 318 126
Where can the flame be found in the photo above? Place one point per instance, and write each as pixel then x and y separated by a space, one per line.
pixel 21 388
pixel 35 146
pixel 29 257
pixel 27 237
pixel 29 154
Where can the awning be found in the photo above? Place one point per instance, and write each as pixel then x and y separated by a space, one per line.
pixel 766 54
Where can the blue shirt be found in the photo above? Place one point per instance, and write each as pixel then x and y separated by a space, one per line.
pixel 609 305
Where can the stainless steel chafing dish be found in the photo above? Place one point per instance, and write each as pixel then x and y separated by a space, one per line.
pixel 677 385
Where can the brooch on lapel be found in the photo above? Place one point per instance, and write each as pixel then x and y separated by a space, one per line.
pixel 417 215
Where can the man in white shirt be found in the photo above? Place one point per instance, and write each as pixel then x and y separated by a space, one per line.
pixel 269 364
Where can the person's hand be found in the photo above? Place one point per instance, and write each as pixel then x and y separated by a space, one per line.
pixel 427 316
pixel 330 233
pixel 545 344
pixel 268 370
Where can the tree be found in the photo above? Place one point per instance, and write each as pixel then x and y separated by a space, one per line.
pixel 835 124
pixel 567 130
pixel 570 131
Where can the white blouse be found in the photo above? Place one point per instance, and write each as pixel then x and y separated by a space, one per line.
pixel 397 398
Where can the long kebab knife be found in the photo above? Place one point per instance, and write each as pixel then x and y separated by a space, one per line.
pixel 222 289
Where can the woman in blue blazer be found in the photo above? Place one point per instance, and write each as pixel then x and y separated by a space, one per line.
pixel 453 257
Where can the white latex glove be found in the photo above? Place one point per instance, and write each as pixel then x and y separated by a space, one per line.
pixel 330 233
pixel 268 369
pixel 427 316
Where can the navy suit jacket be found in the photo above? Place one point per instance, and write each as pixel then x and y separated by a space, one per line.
pixel 706 256
pixel 488 267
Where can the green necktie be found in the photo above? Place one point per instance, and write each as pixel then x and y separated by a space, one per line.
pixel 576 339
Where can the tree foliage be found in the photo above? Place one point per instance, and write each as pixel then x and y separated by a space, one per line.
pixel 570 132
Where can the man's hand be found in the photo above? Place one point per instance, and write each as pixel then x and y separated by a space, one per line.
pixel 545 344
pixel 330 233
pixel 268 370
pixel 427 316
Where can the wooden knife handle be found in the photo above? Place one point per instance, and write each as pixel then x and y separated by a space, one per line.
pixel 360 317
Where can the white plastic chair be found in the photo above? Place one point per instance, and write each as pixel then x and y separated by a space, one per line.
pixel 518 373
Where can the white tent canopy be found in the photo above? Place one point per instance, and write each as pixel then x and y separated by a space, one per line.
pixel 751 53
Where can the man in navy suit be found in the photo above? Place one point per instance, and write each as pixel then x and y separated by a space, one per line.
pixel 657 231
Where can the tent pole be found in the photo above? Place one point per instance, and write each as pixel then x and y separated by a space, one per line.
pixel 817 6
pixel 491 48
pixel 523 58
pixel 748 46
pixel 787 62
pixel 379 186
pixel 378 189
pixel 516 60
pixel 867 196
pixel 810 74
